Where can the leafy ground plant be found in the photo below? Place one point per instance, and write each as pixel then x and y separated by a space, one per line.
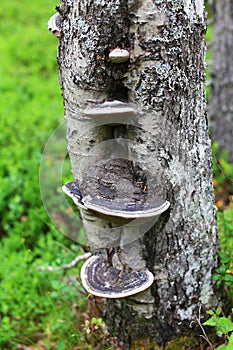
pixel 98 337
pixel 222 177
pixel 223 327
pixel 224 273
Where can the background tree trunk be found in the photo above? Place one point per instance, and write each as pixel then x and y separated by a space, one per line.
pixel 221 99
pixel 166 79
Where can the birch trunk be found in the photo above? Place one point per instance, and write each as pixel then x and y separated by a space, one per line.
pixel 221 100
pixel 165 77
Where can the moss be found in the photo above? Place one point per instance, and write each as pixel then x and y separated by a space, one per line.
pixel 145 344
pixel 181 343
pixel 175 344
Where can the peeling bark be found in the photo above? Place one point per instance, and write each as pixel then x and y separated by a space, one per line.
pixel 221 99
pixel 169 141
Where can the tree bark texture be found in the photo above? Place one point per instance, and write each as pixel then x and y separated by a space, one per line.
pixel 165 78
pixel 221 99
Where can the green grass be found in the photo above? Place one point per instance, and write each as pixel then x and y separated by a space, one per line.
pixel 37 306
pixel 31 105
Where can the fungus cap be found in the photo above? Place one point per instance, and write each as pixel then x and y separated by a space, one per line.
pixel 119 55
pixel 72 190
pixel 111 109
pixel 54 25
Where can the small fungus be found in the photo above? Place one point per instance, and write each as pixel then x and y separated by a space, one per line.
pixel 54 25
pixel 103 280
pixel 119 55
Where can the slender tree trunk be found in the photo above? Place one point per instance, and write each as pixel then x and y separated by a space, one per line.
pixel 165 78
pixel 221 99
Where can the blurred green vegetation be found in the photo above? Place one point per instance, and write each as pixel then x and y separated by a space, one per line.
pixel 35 306
pixel 40 308
pixel 223 185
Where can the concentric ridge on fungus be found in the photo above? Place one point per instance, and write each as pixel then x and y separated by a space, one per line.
pixel 127 209
pixel 103 280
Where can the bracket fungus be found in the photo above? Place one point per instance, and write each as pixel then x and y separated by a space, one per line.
pixel 111 111
pixel 54 25
pixel 115 188
pixel 120 208
pixel 119 55
pixel 103 280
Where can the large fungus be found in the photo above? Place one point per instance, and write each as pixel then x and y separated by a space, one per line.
pixel 118 187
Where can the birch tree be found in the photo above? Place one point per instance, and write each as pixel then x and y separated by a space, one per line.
pixel 168 141
pixel 221 100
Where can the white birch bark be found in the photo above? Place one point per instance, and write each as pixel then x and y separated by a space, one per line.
pixel 166 79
